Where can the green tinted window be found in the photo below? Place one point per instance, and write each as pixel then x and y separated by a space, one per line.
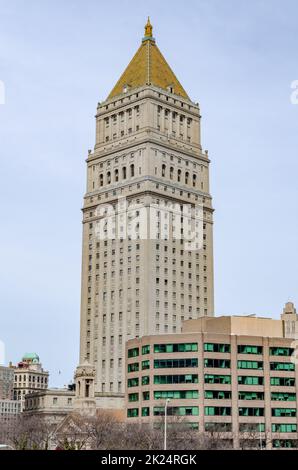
pixel 217 411
pixel 249 349
pixel 282 381
pixel 145 364
pixel 176 410
pixel 132 412
pixel 280 396
pixel 250 380
pixel 134 352
pixel 145 380
pixel 285 443
pixel 133 367
pixel 281 351
pixel 175 363
pixel 175 394
pixel 250 365
pixel 217 379
pixel 176 379
pixel 133 397
pixel 219 363
pixel 133 382
pixel 176 347
pixel 251 396
pixel 251 411
pixel 218 394
pixel 282 366
pixel 284 412
pixel 217 347
pixel 280 427
pixel 146 411
pixel 146 349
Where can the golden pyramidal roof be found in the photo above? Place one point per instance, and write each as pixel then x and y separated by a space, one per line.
pixel 148 67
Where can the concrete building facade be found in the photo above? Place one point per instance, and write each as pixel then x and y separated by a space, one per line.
pixel 9 408
pixel 148 153
pixel 6 383
pixel 233 375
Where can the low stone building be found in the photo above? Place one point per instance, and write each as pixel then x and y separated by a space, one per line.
pixel 52 404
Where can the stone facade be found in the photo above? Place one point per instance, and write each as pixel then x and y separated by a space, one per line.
pixel 9 410
pixel 6 383
pixel 51 404
pixel 148 151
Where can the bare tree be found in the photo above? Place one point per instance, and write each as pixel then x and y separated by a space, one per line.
pixel 253 438
pixel 103 430
pixel 28 433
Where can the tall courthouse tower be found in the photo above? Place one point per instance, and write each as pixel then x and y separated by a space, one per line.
pixel 148 151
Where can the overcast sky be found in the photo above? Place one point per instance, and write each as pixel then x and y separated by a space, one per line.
pixel 57 60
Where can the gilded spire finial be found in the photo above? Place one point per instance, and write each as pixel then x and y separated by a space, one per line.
pixel 148 29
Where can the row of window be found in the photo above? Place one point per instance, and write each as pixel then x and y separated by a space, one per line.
pixel 251 427
pixel 212 379
pixel 172 175
pixel 29 378
pixel 244 427
pixel 137 186
pixel 124 172
pixel 130 172
pixel 217 347
pixel 175 363
pixel 216 411
pixel 216 363
pixel 212 394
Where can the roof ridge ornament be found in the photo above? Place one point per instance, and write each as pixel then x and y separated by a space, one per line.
pixel 148 31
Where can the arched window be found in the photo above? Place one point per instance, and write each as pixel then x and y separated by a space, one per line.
pixel 163 170
pixel 132 170
pixel 186 177
pixel 101 180
pixel 108 177
pixel 124 172
pixel 116 175
pixel 171 173
pixel 179 176
pixel 194 180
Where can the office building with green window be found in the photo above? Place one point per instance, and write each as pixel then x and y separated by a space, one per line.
pixel 236 376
